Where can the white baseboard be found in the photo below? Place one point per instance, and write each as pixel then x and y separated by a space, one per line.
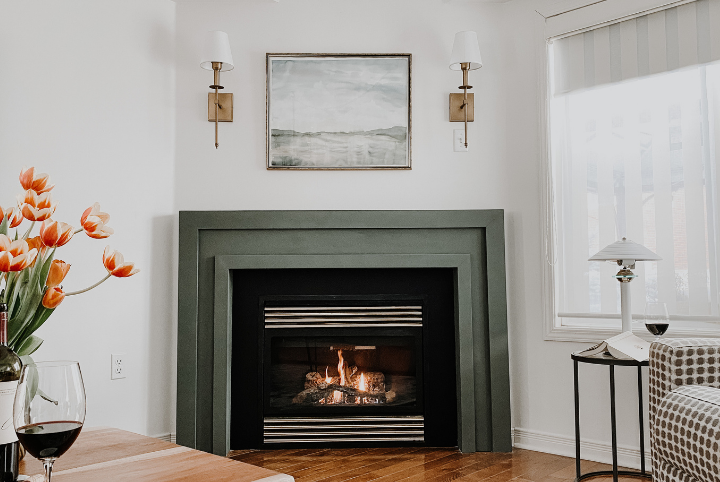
pixel 589 449
pixel 167 437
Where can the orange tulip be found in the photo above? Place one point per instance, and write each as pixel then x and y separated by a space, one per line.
pixel 14 216
pixel 93 222
pixel 15 255
pixel 36 207
pixel 116 265
pixel 58 270
pixel 35 243
pixel 54 234
pixel 36 182
pixel 53 297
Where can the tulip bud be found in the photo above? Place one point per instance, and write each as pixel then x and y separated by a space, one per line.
pixel 53 297
pixel 57 273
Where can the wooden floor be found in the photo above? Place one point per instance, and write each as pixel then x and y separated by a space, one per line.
pixel 417 464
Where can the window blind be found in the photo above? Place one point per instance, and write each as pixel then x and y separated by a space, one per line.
pixel 663 41
pixel 635 147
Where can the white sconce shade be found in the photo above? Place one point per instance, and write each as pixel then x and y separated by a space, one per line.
pixel 465 50
pixel 625 250
pixel 217 49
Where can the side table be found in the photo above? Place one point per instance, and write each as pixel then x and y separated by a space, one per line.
pixel 612 362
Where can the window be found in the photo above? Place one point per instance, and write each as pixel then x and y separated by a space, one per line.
pixel 634 147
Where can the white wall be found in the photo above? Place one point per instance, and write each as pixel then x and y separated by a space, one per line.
pixel 87 94
pixel 234 176
pixel 542 371
pixel 502 169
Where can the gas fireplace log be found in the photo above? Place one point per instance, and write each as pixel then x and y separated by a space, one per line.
pixel 314 394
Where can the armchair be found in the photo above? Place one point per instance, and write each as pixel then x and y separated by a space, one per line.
pixel 685 410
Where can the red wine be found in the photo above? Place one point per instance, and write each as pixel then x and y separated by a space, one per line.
pixel 48 439
pixel 10 366
pixel 657 329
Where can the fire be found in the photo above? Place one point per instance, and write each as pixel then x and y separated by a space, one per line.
pixel 341 369
pixel 328 379
pixel 362 386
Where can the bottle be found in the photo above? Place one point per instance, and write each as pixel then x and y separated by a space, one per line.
pixel 10 366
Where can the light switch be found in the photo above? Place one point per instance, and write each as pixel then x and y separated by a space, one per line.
pixel 459 140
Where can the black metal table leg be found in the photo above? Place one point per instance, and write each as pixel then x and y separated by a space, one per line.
pixel 642 428
pixel 577 422
pixel 612 421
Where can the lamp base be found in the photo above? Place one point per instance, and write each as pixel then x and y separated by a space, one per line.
pixel 225 112
pixel 457 113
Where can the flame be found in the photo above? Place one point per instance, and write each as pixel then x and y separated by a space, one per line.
pixel 328 379
pixel 362 386
pixel 341 369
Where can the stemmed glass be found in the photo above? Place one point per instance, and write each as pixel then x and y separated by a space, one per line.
pixel 657 319
pixel 49 409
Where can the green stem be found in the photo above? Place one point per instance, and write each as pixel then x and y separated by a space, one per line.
pixel 50 253
pixel 27 233
pixel 79 230
pixel 9 286
pixel 89 287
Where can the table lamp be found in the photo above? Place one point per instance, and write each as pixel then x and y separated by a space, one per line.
pixel 625 253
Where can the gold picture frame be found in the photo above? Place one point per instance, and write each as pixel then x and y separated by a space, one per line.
pixel 338 111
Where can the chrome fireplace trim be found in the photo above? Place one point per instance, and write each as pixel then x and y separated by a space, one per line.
pixel 279 430
pixel 342 316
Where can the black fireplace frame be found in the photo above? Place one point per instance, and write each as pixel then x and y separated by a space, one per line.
pixel 213 244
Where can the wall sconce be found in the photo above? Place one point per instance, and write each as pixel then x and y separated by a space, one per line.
pixel 218 58
pixel 466 57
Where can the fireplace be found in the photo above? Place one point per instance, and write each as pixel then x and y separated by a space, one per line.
pixel 458 360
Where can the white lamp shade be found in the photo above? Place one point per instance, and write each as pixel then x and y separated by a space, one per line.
pixel 625 250
pixel 217 49
pixel 465 49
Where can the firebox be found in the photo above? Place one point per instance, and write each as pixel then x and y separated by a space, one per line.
pixel 344 371
pixel 344 357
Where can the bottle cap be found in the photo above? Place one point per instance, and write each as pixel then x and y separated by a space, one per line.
pixel 3 307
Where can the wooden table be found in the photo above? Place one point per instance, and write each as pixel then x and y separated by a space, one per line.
pixel 109 454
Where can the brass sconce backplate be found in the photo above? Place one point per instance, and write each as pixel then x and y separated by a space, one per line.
pixel 457 113
pixel 225 112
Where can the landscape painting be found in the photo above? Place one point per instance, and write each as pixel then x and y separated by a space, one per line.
pixel 338 111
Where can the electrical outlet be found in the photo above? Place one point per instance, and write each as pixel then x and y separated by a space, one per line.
pixel 459 140
pixel 117 366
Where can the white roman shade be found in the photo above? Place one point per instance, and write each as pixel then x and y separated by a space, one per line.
pixel 650 44
pixel 635 152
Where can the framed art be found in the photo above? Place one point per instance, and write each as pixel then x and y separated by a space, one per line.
pixel 338 111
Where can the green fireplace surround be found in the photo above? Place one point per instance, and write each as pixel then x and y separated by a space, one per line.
pixel 214 243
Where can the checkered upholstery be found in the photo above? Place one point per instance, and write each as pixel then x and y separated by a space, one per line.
pixel 685 410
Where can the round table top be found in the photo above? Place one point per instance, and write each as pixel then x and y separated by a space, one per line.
pixel 607 359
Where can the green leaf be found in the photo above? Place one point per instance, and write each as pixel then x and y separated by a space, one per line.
pixel 29 345
pixel 30 310
pixel 46 269
pixel 25 359
pixel 32 390
pixel 41 316
pixel 4 225
pixel 46 397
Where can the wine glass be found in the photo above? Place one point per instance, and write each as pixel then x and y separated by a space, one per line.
pixel 657 319
pixel 49 409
